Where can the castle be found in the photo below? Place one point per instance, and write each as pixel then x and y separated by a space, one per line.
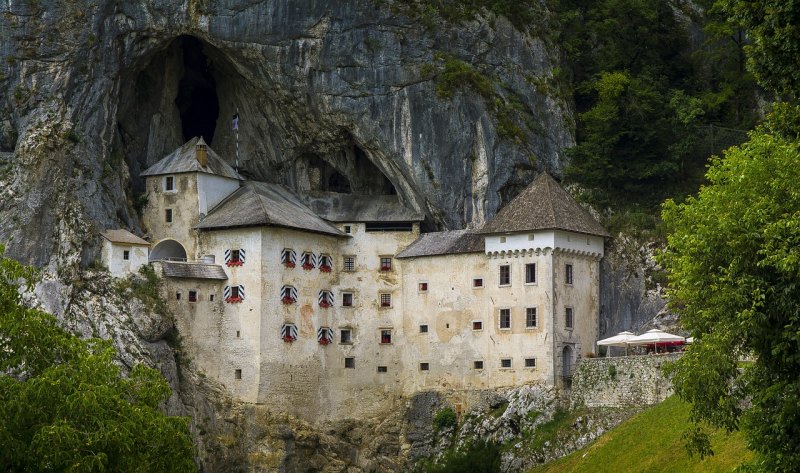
pixel 331 304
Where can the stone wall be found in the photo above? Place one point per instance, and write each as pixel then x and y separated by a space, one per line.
pixel 621 381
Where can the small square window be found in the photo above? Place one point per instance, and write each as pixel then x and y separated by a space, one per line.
pixel 386 300
pixel 347 299
pixel 424 366
pixel 505 318
pixel 530 236
pixel 349 362
pixel 531 319
pixel 237 374
pixel 568 274
pixel 477 282
pixel 168 215
pixel 530 362
pixel 530 273
pixel 477 325
pixel 349 263
pixel 568 317
pixel 423 287
pixel 478 365
pixel 383 369
pixel 169 183
pixel 502 239
pixel 345 336
pixel 348 229
pixel 386 337
pixel 505 363
pixel 192 296
pixel 177 296
pixel 126 255
pixel 211 298
pixel 423 328
pixel 505 275
pixel 386 263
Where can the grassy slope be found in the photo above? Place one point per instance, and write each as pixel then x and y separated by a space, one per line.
pixel 651 442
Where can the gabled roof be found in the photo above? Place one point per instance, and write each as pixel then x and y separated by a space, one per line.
pixel 173 269
pixel 184 159
pixel 263 204
pixel 123 237
pixel 543 205
pixel 336 207
pixel 444 243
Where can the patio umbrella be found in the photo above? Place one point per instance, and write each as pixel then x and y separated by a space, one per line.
pixel 618 340
pixel 655 336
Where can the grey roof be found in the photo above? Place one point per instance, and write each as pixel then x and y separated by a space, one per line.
pixel 174 269
pixel 336 207
pixel 444 243
pixel 263 204
pixel 123 236
pixel 184 159
pixel 543 205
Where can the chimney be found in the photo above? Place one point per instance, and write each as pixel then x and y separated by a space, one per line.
pixel 202 154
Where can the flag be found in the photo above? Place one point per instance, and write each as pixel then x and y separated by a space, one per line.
pixel 235 121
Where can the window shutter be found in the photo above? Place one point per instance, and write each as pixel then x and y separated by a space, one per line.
pixel 289 330
pixel 241 291
pixel 227 256
pixel 226 293
pixel 241 255
pixel 324 333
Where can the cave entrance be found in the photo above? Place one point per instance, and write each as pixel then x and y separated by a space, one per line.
pixel 197 99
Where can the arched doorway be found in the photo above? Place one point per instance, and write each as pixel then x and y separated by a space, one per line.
pixel 169 250
pixel 566 363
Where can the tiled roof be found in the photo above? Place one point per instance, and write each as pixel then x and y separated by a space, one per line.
pixel 263 204
pixel 124 237
pixel 444 243
pixel 174 269
pixel 543 205
pixel 336 207
pixel 184 159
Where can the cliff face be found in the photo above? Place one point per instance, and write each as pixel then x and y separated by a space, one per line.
pixel 330 95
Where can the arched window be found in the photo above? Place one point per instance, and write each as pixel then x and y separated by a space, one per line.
pixel 325 298
pixel 324 335
pixel 308 260
pixel 289 332
pixel 288 258
pixel 288 295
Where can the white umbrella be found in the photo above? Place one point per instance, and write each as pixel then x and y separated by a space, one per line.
pixel 655 336
pixel 618 340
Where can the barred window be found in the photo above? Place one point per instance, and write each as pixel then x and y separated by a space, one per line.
pixel 386 300
pixel 505 275
pixel 531 317
pixel 505 318
pixel 349 263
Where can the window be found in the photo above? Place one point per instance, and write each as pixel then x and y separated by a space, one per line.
pixel 192 296
pixel 211 298
pixel 177 296
pixel 530 362
pixel 345 335
pixel 530 317
pixel 386 336
pixel 386 300
pixel 325 263
pixel 288 295
pixel 505 362
pixel 383 369
pixel 530 237
pixel 168 215
pixel 169 183
pixel 325 299
pixel 288 258
pixel 477 282
pixel 568 274
pixel 234 294
pixel 386 263
pixel 350 362
pixel 238 334
pixel 423 328
pixel 237 374
pixel 424 366
pixel 234 257
pixel 505 275
pixel 289 332
pixel 477 325
pixel 568 317
pixel 530 273
pixel 126 255
pixel 349 263
pixel 307 261
pixel 502 239
pixel 505 318
pixel 347 299
pixel 423 287
pixel 478 365
pixel 348 229
pixel 324 335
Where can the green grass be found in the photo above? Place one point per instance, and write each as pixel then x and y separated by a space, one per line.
pixel 651 442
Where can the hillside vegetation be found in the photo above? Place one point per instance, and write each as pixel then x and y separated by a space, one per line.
pixel 652 441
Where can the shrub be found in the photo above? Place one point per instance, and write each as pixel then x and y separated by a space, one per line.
pixel 445 417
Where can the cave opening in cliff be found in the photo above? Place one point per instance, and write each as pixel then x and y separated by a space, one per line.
pixel 197 99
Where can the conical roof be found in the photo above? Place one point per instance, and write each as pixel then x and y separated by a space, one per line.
pixel 184 159
pixel 543 205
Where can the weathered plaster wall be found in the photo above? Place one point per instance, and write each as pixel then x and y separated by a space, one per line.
pixel 183 201
pixel 621 381
pixel 113 257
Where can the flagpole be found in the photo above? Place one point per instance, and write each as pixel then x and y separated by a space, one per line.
pixel 237 139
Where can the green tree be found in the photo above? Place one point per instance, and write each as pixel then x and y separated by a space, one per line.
pixel 64 405
pixel 733 259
